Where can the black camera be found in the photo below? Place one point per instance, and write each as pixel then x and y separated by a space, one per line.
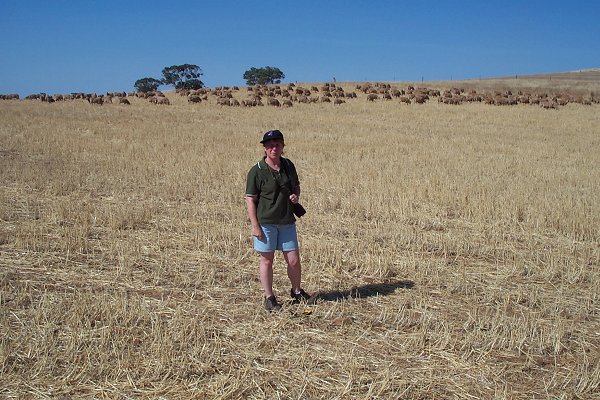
pixel 299 210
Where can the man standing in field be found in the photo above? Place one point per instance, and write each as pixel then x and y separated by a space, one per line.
pixel 272 191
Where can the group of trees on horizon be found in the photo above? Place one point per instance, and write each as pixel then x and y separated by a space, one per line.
pixel 186 77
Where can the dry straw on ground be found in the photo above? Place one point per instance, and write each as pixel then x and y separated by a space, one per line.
pixel 454 249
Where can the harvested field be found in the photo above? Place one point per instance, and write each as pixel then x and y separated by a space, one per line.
pixel 583 83
pixel 453 250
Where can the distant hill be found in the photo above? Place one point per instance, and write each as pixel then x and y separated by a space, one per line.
pixel 584 82
pixel 586 75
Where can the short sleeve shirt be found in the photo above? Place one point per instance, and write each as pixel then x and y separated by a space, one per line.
pixel 272 189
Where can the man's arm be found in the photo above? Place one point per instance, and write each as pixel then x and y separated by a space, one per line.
pixel 251 205
pixel 295 196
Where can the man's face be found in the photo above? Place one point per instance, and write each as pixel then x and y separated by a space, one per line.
pixel 273 148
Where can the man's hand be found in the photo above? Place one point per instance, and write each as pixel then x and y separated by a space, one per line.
pixel 257 231
pixel 294 198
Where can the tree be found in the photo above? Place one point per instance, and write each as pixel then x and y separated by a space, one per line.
pixel 191 84
pixel 183 76
pixel 263 76
pixel 147 84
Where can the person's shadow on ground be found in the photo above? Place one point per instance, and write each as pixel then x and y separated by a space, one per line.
pixel 364 291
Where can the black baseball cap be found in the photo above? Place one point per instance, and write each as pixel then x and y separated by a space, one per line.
pixel 272 135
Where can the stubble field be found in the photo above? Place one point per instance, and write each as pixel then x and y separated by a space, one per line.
pixel 453 250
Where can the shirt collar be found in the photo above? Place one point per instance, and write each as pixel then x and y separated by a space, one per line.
pixel 262 164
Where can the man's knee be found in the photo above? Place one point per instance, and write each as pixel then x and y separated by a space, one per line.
pixel 293 258
pixel 267 258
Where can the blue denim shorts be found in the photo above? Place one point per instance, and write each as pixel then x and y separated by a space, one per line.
pixel 277 237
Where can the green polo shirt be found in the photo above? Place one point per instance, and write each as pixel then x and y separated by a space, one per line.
pixel 273 189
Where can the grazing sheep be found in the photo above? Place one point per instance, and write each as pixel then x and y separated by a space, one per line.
pixel 501 101
pixel 549 104
pixel 273 102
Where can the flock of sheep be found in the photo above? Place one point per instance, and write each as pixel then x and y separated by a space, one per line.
pixel 286 96
pixel 290 94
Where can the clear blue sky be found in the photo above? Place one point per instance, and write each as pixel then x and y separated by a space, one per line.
pixel 65 46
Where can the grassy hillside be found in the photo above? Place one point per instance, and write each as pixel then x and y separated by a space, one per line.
pixel 580 82
pixel 453 251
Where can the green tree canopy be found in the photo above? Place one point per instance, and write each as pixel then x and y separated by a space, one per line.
pixel 147 84
pixel 263 76
pixel 183 76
